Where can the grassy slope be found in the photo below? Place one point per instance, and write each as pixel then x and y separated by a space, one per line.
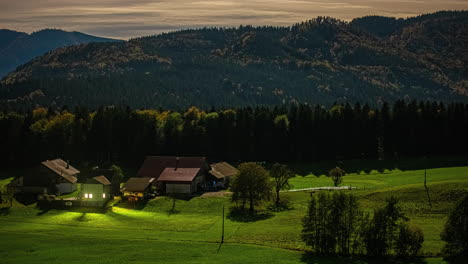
pixel 161 232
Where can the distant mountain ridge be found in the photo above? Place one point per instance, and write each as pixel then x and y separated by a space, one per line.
pixel 17 48
pixel 323 60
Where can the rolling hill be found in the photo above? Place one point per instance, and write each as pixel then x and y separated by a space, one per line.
pixel 17 48
pixel 323 60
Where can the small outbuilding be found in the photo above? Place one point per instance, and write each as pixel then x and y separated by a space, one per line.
pixel 220 174
pixel 137 188
pixel 96 191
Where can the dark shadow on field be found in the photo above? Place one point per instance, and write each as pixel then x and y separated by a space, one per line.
pixel 4 211
pixel 26 199
pixel 283 205
pixel 238 215
pixel 140 205
pixel 43 211
pixel 85 210
pixel 81 218
pixel 456 260
pixel 310 258
pixel 368 165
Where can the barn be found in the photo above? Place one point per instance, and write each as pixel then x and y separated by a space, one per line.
pixel 173 174
pixel 52 177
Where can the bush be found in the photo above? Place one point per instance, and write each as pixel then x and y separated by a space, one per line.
pixel 409 241
pixel 455 232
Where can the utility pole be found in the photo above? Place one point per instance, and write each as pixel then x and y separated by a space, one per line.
pixel 222 234
pixel 427 190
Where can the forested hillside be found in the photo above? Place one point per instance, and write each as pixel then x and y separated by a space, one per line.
pixel 17 48
pixel 324 60
pixel 301 133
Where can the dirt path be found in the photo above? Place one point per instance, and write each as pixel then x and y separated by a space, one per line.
pixel 322 188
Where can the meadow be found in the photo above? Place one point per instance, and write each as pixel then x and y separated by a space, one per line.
pixel 190 232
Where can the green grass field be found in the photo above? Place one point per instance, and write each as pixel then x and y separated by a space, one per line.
pixel 190 233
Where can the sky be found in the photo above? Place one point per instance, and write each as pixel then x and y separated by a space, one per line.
pixel 125 19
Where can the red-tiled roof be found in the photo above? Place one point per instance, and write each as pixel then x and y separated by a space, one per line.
pixel 63 169
pixel 153 166
pixel 181 174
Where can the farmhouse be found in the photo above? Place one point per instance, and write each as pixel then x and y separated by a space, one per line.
pixel 176 174
pixel 137 188
pixel 52 177
pixel 96 191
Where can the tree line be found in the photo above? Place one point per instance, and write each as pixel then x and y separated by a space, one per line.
pixel 298 133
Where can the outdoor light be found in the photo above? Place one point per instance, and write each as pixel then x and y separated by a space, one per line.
pixel 85 195
pixel 90 195
pixel 103 195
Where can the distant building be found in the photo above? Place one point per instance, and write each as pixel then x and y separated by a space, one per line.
pixel 96 191
pixel 184 175
pixel 137 188
pixel 221 173
pixel 52 177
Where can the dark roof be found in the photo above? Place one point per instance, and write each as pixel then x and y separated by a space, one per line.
pixel 222 169
pixel 181 174
pixel 153 166
pixel 137 184
pixel 61 168
pixel 99 180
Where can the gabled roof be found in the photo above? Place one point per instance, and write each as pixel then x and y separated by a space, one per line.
pixel 99 180
pixel 137 184
pixel 61 168
pixel 180 174
pixel 153 166
pixel 222 169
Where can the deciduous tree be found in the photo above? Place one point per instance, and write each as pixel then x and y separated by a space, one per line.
pixel 252 184
pixel 337 175
pixel 281 175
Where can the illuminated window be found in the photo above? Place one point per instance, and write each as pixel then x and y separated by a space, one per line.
pixel 90 195
pixel 103 195
pixel 85 195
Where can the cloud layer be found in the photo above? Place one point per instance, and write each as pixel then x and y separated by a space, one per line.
pixel 126 19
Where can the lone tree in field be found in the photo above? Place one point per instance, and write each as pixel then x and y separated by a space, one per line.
pixel 337 175
pixel 252 184
pixel 456 232
pixel 281 175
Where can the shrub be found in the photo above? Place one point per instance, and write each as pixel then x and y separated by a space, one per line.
pixel 409 241
pixel 455 232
